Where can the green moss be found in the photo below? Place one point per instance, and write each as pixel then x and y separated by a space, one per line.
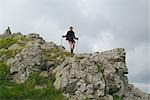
pixel 86 98
pixel 12 91
pixel 116 97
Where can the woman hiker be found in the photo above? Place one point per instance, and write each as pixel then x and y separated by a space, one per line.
pixel 70 36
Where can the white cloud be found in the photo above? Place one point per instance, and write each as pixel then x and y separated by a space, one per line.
pixel 104 42
pixel 138 64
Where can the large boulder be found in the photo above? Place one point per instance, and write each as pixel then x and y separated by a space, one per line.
pixel 28 60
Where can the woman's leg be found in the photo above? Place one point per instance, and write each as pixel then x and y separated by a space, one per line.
pixel 72 45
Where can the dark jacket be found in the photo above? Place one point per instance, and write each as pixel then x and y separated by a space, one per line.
pixel 70 36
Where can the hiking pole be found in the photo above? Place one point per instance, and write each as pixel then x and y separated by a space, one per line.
pixel 77 46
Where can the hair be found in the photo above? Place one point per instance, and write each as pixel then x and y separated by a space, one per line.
pixel 71 27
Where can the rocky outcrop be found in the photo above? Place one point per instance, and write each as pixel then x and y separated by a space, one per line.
pixel 30 59
pixel 96 76
pixel 93 76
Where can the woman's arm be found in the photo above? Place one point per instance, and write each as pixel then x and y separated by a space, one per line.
pixel 75 37
pixel 65 35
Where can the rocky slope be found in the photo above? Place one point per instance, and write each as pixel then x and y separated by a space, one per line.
pixel 96 76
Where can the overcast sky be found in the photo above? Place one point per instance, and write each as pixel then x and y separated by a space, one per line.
pixel 100 25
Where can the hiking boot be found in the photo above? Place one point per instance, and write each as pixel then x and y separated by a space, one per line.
pixel 71 50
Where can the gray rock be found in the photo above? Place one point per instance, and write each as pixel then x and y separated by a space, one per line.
pixel 33 35
pixel 50 45
pixel 107 97
pixel 62 48
pixel 29 59
pixel 18 33
pixel 90 89
pixel 44 74
pixel 14 46
pixel 71 87
pixel 64 82
pixel 82 87
pixel 133 93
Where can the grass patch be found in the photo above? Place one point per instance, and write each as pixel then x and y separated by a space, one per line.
pixel 10 53
pixel 12 91
pixel 56 55
pixel 8 41
pixel 3 71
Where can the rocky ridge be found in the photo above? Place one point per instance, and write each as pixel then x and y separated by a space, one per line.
pixel 95 76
